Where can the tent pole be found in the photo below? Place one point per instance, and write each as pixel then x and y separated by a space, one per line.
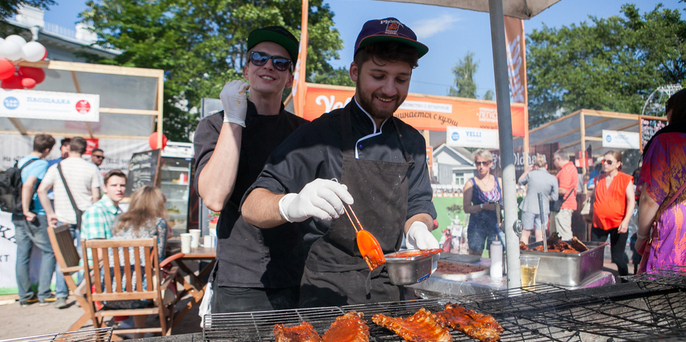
pixel 502 93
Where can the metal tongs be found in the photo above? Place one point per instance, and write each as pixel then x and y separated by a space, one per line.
pixel 366 242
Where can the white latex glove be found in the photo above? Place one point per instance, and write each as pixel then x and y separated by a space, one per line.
pixel 320 198
pixel 419 237
pixel 235 101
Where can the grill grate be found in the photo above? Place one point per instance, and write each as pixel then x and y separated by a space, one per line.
pixel 546 313
pixel 671 275
pixel 90 335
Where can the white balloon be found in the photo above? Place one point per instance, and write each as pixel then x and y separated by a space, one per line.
pixel 17 39
pixel 11 50
pixel 33 51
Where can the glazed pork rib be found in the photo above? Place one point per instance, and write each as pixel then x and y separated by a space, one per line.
pixel 475 325
pixel 301 333
pixel 420 327
pixel 348 328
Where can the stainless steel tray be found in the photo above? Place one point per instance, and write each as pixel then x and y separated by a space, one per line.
pixel 409 270
pixel 568 269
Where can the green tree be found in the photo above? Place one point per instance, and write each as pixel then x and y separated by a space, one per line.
pixel 464 71
pixel 9 8
pixel 201 44
pixel 489 95
pixel 340 76
pixel 614 64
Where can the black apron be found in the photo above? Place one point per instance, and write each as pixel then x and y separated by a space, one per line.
pixel 335 272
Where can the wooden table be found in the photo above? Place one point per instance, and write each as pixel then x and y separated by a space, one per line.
pixel 195 285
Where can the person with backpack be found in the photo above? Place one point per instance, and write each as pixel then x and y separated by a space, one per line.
pixel 76 183
pixel 31 224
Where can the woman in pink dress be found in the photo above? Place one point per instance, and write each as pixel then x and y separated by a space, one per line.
pixel 662 174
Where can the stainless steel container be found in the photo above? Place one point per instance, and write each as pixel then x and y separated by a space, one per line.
pixel 406 270
pixel 568 269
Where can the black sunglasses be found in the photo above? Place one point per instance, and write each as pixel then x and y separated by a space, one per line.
pixel 260 58
pixel 99 157
pixel 482 163
pixel 608 162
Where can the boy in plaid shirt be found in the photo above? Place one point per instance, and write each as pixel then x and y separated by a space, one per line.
pixel 97 221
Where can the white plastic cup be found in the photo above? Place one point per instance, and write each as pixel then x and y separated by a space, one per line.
pixel 195 241
pixel 209 241
pixel 186 242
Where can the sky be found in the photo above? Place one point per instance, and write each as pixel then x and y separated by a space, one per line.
pixel 449 33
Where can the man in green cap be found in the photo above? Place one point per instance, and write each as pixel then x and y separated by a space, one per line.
pixel 256 269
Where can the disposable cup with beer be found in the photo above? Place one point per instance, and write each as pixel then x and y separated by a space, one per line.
pixel 528 267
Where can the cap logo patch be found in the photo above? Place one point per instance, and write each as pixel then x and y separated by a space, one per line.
pixel 392 26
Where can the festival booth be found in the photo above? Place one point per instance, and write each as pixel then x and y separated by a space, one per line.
pixel 114 108
pixel 589 134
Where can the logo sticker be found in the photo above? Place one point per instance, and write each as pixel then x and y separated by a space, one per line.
pixel 83 107
pixel 11 103
pixel 608 138
pixel 455 136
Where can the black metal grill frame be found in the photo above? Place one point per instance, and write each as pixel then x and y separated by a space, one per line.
pixel 654 310
pixel 89 335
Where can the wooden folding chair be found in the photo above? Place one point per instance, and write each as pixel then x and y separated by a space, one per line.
pixel 68 258
pixel 119 283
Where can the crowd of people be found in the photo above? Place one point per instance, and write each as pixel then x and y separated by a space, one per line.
pixel 71 190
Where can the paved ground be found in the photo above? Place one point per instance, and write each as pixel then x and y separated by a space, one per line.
pixel 36 320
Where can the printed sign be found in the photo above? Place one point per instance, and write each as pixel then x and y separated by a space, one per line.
pixel 434 113
pixel 49 105
pixel 648 127
pixel 143 170
pixel 620 139
pixel 472 137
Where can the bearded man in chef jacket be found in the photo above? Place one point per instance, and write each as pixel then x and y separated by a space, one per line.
pixel 359 155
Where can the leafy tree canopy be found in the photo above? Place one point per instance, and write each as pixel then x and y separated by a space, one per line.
pixel 201 44
pixel 613 64
pixel 464 71
pixel 9 8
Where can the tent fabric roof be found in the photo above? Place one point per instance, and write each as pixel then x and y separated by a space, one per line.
pixel 130 100
pixel 522 9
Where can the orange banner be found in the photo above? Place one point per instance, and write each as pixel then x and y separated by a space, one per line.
pixel 422 112
pixel 299 86
pixel 516 58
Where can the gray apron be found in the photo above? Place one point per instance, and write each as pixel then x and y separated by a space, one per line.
pixel 335 272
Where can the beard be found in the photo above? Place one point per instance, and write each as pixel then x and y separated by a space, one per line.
pixel 367 103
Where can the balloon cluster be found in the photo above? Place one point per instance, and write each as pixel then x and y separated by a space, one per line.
pixel 14 49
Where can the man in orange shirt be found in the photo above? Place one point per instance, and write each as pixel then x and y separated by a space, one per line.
pixel 567 178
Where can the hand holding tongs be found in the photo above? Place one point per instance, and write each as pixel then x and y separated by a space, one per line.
pixel 366 242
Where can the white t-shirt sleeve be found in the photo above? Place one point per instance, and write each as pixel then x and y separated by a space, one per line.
pixel 50 175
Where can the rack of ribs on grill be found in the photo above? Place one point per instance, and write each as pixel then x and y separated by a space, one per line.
pixel 420 327
pixel 348 328
pixel 475 325
pixel 301 333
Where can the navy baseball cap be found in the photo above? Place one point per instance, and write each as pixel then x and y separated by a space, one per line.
pixel 276 34
pixel 389 29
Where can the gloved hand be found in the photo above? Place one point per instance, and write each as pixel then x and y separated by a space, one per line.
pixel 320 198
pixel 419 237
pixel 235 101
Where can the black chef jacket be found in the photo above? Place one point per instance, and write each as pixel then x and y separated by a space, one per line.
pixel 314 151
pixel 246 255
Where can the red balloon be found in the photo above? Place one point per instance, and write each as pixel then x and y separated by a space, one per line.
pixel 153 141
pixel 28 82
pixel 13 82
pixel 6 69
pixel 35 73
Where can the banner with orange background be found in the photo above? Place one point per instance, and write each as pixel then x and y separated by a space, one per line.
pixel 423 112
